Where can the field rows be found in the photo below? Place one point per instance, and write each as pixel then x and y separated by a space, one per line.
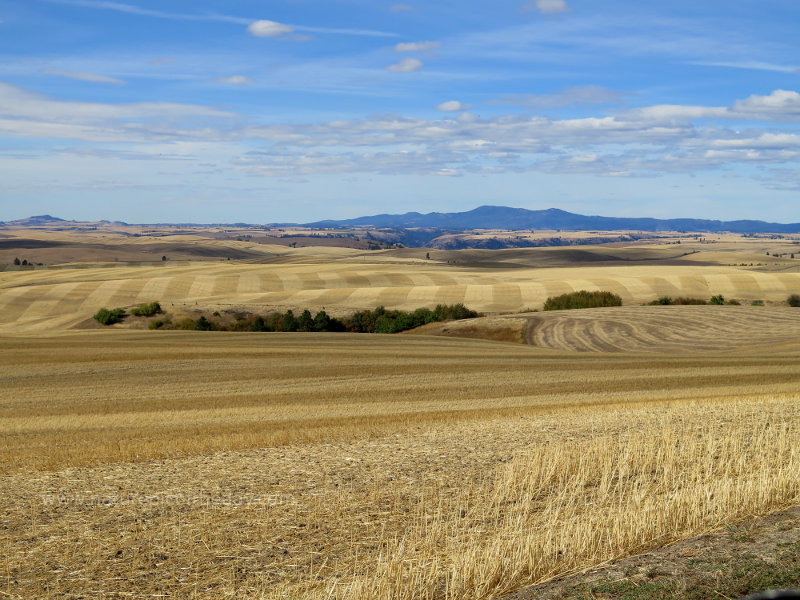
pixel 45 300
pixel 355 467
pixel 665 329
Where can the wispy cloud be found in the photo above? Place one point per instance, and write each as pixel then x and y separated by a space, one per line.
pixel 91 77
pixel 753 65
pixel 146 12
pixel 587 94
pixel 417 46
pixel 235 80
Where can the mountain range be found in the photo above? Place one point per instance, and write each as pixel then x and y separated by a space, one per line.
pixel 503 217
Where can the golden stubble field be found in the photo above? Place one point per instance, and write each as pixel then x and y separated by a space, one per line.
pixel 343 280
pixel 208 465
pixel 213 465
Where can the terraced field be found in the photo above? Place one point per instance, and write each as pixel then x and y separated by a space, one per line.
pixel 666 329
pixel 342 282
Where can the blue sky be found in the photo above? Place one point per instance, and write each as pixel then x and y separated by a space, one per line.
pixel 297 110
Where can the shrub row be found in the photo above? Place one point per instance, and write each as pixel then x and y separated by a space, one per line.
pixel 379 320
pixel 582 299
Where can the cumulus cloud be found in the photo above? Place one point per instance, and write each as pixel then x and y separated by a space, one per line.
pixel 548 7
pixel 417 46
pixel 235 80
pixel 90 77
pixel 407 65
pixel 779 102
pixel 266 28
pixel 452 105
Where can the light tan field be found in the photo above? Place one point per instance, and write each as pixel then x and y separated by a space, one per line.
pixel 300 466
pixel 212 465
pixel 342 280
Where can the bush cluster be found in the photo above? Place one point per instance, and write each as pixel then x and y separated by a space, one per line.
pixel 109 317
pixel 582 299
pixel 794 300
pixel 668 301
pixel 147 310
pixel 381 320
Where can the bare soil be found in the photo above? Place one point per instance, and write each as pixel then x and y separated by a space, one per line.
pixel 684 566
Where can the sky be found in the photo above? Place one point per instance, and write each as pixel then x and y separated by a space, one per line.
pixel 222 111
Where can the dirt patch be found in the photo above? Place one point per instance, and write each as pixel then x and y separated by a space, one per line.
pixel 735 560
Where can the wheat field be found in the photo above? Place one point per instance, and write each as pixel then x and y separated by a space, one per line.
pixel 213 465
pixel 273 466
pixel 43 300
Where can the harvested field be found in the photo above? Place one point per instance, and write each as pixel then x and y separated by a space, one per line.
pixel 209 465
pixel 637 329
pixel 43 300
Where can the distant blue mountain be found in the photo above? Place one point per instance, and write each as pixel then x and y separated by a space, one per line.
pixel 503 217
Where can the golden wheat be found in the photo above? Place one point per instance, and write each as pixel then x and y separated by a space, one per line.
pixel 213 465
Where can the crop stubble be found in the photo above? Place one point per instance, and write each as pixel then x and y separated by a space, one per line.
pixel 345 466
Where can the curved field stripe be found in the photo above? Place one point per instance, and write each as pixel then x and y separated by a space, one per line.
pixel 663 286
pixel 398 279
pixel 179 287
pixel 354 280
pixel 450 294
pixel 480 294
pixel 202 286
pixel 154 289
pixel 506 295
pixel 334 297
pixel 49 302
pixel 789 281
pixel 393 296
pixel 100 296
pixel 248 283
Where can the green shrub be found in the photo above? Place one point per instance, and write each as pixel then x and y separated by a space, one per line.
pixel 160 324
pixel 757 303
pixel 109 317
pixel 718 299
pixel 794 300
pixel 582 299
pixel 147 310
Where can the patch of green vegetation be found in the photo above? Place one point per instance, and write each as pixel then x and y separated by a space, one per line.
pixel 582 299
pixel 669 301
pixel 793 300
pixel 147 310
pixel 710 578
pixel 379 320
pixel 109 317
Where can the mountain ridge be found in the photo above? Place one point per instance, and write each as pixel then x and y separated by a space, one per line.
pixel 504 217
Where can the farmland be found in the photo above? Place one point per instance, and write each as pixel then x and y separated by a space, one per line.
pixel 194 464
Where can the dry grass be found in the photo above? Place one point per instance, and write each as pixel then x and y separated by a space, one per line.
pixel 272 466
pixel 44 300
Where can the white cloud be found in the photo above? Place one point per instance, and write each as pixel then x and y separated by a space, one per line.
pixel 91 77
pixel 779 102
pixel 548 7
pixel 235 80
pixel 452 105
pixel 407 65
pixel 266 28
pixel 417 46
